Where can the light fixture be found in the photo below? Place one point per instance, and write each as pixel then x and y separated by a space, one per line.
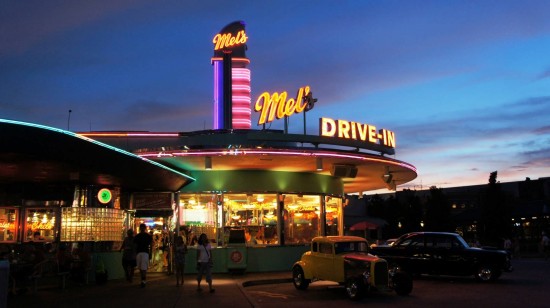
pixel 260 198
pixel 319 163
pixel 387 177
pixel 208 163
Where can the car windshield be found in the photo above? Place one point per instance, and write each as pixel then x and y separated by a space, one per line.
pixel 342 247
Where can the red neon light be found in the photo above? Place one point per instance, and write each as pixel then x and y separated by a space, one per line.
pixel 123 134
pixel 280 153
pixel 241 98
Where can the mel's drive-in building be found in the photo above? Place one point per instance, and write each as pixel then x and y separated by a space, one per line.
pixel 260 195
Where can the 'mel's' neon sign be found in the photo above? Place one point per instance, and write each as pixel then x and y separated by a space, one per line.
pixel 227 40
pixel 353 130
pixel 276 105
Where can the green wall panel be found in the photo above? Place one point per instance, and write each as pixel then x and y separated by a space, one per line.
pixel 264 181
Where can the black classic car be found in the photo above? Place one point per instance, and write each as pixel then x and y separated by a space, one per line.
pixel 441 253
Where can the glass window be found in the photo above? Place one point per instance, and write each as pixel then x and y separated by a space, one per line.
pixel 91 224
pixel 256 214
pixel 8 224
pixel 301 215
pixel 40 225
pixel 325 248
pixel 350 247
pixel 200 213
pixel 333 214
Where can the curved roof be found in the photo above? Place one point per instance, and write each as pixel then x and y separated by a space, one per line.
pixel 268 150
pixel 32 153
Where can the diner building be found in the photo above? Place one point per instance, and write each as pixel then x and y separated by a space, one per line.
pixel 260 194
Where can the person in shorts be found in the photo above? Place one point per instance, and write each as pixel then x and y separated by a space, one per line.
pixel 143 241
pixel 204 262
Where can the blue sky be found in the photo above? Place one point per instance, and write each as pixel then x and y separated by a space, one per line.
pixel 465 85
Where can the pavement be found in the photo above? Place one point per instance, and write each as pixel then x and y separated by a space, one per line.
pixel 160 291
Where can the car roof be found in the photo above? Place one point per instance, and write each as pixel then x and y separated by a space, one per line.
pixel 432 233
pixel 336 239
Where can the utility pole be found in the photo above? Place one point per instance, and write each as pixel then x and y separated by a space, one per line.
pixel 69 120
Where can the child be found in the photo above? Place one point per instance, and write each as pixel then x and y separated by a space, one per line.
pixel 179 258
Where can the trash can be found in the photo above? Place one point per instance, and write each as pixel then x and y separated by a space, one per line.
pixel 4 282
pixel 236 251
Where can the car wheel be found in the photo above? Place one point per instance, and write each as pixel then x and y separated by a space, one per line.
pixel 486 272
pixel 298 279
pixel 402 283
pixel 354 289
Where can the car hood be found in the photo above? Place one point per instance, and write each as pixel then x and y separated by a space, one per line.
pixel 360 256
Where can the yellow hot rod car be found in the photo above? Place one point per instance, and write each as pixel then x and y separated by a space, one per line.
pixel 345 260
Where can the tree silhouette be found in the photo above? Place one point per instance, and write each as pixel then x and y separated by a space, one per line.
pixel 438 211
pixel 495 214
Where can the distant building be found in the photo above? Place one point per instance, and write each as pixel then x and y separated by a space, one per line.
pixel 530 201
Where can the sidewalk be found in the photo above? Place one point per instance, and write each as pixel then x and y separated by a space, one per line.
pixel 161 291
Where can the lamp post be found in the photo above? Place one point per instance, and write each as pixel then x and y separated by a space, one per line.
pixel 69 119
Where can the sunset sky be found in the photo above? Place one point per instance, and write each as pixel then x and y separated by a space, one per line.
pixel 465 85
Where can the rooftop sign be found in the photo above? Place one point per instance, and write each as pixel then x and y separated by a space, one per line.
pixel 227 40
pixel 276 105
pixel 353 130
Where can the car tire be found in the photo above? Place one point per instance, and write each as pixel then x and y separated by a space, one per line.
pixel 298 278
pixel 402 283
pixel 486 272
pixel 354 289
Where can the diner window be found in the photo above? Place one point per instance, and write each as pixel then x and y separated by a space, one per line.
pixel 256 214
pixel 40 225
pixel 301 214
pixel 199 212
pixel 8 224
pixel 333 215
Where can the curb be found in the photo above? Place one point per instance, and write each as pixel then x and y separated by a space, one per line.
pixel 265 281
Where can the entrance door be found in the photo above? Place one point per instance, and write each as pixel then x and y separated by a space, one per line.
pixel 157 223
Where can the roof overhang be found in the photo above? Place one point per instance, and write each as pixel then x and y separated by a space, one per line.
pixel 37 154
pixel 230 150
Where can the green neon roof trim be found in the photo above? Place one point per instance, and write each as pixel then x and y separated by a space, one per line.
pixel 62 131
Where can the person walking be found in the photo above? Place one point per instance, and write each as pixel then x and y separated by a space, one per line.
pixel 143 243
pixel 129 255
pixel 179 260
pixel 204 262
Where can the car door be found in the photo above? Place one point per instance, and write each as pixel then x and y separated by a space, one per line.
pixel 411 255
pixel 448 255
pixel 324 261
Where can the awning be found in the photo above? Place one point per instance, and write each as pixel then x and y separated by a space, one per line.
pixel 32 153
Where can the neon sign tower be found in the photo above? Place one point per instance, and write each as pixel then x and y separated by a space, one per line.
pixel 231 78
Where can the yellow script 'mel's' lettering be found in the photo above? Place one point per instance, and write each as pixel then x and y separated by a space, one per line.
pixel 277 106
pixel 227 40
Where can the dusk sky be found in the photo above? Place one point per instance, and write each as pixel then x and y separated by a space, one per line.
pixel 465 85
